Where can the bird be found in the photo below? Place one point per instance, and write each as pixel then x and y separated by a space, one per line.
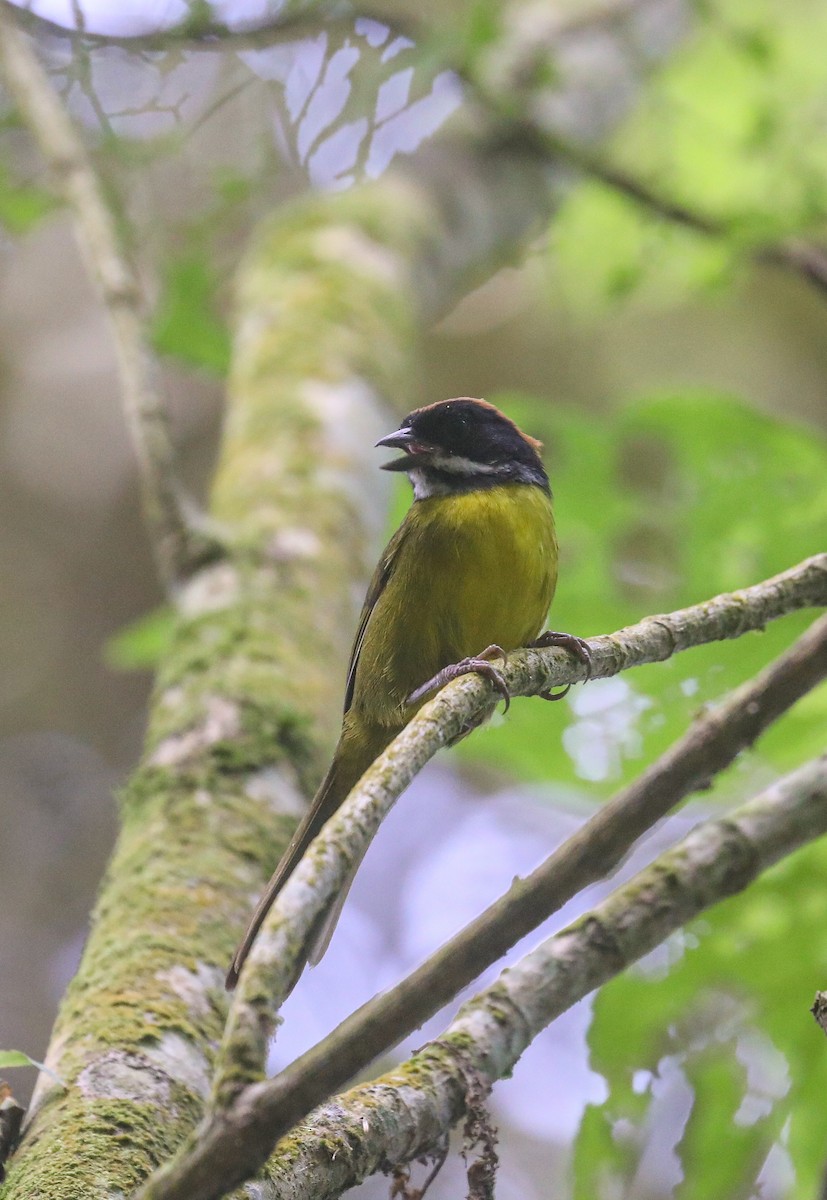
pixel 468 576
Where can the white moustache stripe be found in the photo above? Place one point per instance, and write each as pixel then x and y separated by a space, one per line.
pixel 460 466
pixel 425 484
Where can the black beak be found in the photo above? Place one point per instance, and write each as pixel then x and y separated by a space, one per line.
pixel 400 439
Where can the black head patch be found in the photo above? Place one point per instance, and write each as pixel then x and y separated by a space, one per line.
pixel 474 430
pixel 463 444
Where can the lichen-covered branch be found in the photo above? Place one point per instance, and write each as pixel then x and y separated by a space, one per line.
pixel 711 744
pixel 247 699
pixel 404 1114
pixel 178 546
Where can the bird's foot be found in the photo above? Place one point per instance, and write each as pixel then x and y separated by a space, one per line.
pixel 565 641
pixel 480 664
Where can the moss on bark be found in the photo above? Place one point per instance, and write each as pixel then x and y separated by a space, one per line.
pixel 246 704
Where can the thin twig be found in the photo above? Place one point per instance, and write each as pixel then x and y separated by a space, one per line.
pixel 278 953
pixel 179 548
pixel 719 858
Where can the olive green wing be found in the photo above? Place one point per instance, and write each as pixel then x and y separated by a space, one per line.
pixel 383 572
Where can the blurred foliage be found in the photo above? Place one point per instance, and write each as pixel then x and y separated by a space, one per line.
pixel 21 204
pixel 186 324
pixel 140 645
pixel 608 250
pixel 189 321
pixel 735 122
pixel 723 1014
pixel 733 130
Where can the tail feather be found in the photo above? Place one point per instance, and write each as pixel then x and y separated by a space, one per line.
pixel 357 748
pixel 325 802
pixel 317 948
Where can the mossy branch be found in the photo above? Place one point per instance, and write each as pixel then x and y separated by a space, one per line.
pixel 719 858
pixel 709 746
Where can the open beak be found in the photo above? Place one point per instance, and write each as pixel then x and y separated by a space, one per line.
pixel 400 439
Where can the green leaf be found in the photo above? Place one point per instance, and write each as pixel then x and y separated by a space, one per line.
pixel 22 205
pixel 16 1058
pixel 603 1153
pixel 483 26
pixel 141 645
pixel 607 249
pixel 200 19
pixel 731 128
pixel 187 325
pixel 733 124
pixel 721 1095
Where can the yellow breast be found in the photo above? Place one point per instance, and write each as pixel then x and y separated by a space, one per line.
pixel 473 569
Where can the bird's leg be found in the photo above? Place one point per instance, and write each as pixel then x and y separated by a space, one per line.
pixel 566 641
pixel 479 665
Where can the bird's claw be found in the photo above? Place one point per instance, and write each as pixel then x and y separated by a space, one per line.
pixel 480 664
pixel 577 646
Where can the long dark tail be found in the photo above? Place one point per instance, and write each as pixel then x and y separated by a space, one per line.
pixel 325 802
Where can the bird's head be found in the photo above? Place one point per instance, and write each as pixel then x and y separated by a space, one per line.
pixel 460 445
